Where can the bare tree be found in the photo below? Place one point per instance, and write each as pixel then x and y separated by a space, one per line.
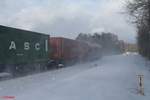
pixel 140 12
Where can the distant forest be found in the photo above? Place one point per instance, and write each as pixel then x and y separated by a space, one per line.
pixel 108 41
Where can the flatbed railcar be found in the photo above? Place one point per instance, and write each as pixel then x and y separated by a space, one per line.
pixel 22 51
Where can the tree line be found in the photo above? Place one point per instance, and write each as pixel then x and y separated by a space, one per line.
pixel 108 41
pixel 140 12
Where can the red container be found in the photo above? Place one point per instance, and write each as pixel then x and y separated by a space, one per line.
pixel 67 49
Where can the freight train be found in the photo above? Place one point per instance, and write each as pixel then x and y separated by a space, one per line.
pixel 23 52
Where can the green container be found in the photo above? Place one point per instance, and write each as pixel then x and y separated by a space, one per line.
pixel 20 46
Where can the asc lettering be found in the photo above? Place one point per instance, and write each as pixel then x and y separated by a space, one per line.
pixel 27 46
pixel 12 45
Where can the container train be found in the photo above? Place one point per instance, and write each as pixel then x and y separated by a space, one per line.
pixel 23 52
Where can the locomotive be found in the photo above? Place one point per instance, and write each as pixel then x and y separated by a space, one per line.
pixel 24 52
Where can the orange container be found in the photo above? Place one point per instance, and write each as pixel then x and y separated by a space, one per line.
pixel 67 49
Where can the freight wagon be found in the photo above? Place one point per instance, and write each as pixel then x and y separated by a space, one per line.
pixel 68 51
pixel 22 51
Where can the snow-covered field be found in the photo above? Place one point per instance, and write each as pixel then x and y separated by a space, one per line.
pixel 110 78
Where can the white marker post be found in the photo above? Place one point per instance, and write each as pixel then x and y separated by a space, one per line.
pixel 141 84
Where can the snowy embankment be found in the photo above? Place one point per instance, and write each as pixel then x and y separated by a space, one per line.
pixel 111 78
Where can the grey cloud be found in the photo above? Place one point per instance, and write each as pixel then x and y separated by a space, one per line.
pixel 67 17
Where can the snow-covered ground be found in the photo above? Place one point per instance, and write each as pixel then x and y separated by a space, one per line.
pixel 110 78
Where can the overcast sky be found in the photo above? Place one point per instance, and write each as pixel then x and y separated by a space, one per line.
pixel 68 17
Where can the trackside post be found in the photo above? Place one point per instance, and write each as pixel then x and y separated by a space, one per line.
pixel 141 84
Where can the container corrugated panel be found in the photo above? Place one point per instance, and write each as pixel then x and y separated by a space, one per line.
pixel 63 48
pixel 70 49
pixel 56 47
pixel 20 46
